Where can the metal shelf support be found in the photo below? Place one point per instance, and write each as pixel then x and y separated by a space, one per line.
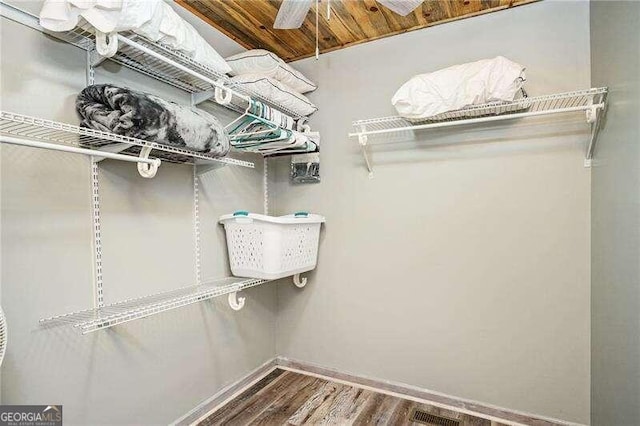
pixel 298 281
pixel 236 302
pixel 362 140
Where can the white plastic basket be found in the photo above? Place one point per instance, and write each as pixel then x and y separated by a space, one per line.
pixel 270 247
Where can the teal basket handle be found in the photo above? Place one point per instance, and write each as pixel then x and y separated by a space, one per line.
pixel 301 214
pixel 241 213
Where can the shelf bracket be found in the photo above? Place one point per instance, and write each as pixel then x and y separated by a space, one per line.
pixel 363 139
pixel 147 170
pixel 236 302
pixel 298 282
pixel 95 58
pixel 115 148
pixel 594 117
pixel 200 97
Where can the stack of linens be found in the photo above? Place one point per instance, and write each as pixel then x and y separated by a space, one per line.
pixel 263 72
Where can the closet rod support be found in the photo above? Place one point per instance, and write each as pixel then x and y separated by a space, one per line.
pixel 75 150
pixel 298 281
pixel 148 170
pixel 236 302
pixel 106 44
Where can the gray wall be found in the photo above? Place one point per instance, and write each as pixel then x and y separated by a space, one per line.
pixel 615 210
pixel 460 268
pixel 149 371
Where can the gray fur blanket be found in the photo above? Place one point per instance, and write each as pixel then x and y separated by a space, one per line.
pixel 129 113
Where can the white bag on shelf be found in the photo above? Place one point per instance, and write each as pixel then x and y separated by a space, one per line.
pixel 269 247
pixel 459 86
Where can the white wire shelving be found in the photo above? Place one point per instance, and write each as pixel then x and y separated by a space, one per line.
pixel 155 60
pixel 178 70
pixel 91 320
pixel 590 101
pixel 30 131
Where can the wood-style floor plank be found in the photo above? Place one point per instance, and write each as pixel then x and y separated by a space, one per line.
pixel 283 408
pixel 252 401
pixel 243 397
pixel 323 400
pixel 288 398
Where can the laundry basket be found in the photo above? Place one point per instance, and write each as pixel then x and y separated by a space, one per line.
pixel 271 247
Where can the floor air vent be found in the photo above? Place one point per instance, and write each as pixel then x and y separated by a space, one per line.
pixel 431 419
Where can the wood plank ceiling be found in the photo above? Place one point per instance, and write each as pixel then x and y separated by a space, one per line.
pixel 250 22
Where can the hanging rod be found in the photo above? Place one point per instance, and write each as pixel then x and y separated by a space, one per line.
pixel 181 67
pixel 155 162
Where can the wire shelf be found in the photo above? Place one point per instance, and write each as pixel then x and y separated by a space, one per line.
pixel 82 36
pixel 590 101
pixel 580 100
pixel 61 133
pixel 91 320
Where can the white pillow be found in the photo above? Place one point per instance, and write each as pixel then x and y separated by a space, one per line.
pixel 276 92
pixel 459 86
pixel 268 64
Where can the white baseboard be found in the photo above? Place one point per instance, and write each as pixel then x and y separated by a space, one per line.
pixel 400 390
pixel 226 394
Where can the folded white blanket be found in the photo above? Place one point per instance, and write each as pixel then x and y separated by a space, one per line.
pixel 153 19
pixel 459 86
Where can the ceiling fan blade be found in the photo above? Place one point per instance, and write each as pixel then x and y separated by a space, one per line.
pixel 401 7
pixel 292 14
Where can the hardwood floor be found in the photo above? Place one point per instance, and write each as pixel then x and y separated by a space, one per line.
pixel 289 398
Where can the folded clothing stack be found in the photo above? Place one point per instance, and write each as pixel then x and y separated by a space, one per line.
pixel 152 19
pixel 263 72
pixel 140 115
pixel 460 86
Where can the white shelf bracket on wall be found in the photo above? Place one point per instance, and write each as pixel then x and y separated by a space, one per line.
pixel 95 59
pixel 594 117
pixel 237 302
pixel 362 140
pixel 200 97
